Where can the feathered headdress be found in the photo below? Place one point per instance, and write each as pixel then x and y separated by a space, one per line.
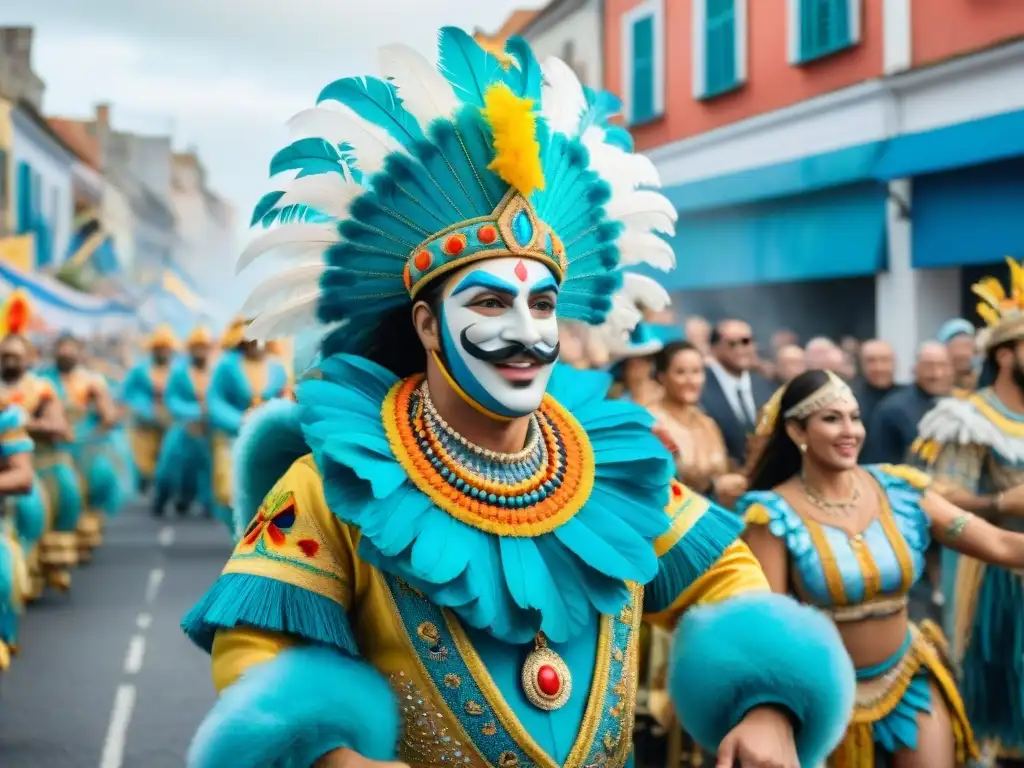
pixel 16 314
pixel 392 182
pixel 1002 312
pixel 234 334
pixel 199 335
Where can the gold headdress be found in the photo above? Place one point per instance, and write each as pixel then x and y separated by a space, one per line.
pixel 200 335
pixel 234 334
pixel 832 390
pixel 163 336
pixel 1003 313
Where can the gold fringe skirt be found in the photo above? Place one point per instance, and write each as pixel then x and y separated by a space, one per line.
pixel 145 443
pixel 891 696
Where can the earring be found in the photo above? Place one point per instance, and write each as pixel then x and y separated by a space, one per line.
pixel 803 447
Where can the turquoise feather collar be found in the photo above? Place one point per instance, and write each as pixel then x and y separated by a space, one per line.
pixel 513 586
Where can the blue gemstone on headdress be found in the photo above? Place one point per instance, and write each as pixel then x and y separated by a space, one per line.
pixel 522 228
pixel 549 247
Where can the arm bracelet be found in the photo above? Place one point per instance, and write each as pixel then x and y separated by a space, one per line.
pixel 955 528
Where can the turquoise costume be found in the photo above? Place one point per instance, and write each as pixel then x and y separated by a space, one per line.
pixel 409 595
pixel 977 444
pixel 185 468
pixel 234 390
pixel 143 392
pixel 13 571
pixel 870 575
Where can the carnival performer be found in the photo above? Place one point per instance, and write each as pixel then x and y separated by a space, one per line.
pixel 852 541
pixel 973 446
pixel 16 478
pixel 243 378
pixel 184 472
pixel 144 392
pixel 462 539
pixel 92 415
pixel 46 537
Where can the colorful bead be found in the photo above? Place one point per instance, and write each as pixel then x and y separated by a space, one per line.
pixel 487 234
pixel 422 261
pixel 454 244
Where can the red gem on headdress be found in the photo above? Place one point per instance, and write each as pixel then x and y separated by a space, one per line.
pixel 487 234
pixel 422 261
pixel 521 272
pixel 406 277
pixel 454 244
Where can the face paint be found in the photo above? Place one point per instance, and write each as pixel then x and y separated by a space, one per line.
pixel 499 333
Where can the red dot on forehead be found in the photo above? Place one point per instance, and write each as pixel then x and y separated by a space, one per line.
pixel 521 271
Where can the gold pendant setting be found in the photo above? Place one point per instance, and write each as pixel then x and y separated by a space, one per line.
pixel 547 681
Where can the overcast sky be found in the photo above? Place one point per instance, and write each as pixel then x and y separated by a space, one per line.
pixel 223 75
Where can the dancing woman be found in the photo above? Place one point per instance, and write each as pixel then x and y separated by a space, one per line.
pixel 851 540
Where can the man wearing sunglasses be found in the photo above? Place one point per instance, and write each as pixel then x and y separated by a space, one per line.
pixel 734 391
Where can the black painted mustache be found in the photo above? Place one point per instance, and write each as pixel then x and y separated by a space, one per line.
pixel 509 351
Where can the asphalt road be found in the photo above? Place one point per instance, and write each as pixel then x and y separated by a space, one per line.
pixel 105 678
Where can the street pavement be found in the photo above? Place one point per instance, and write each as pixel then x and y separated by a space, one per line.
pixel 105 678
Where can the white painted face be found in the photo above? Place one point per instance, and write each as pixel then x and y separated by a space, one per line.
pixel 499 333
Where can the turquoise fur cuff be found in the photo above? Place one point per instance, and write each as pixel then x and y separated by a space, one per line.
pixel 289 712
pixel 761 649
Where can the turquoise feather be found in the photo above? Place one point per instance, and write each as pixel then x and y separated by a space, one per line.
pixel 528 78
pixel 264 206
pixel 468 67
pixel 377 102
pixel 309 157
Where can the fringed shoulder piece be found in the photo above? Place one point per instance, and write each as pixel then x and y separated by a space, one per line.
pixel 911 476
pixel 770 509
pixel 291 572
pixel 903 487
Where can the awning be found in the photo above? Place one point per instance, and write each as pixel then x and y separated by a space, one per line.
pixel 92 247
pixel 974 142
pixel 969 216
pixel 63 308
pixel 838 232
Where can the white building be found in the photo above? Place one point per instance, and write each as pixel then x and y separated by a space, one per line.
pixel 204 223
pixel 572 30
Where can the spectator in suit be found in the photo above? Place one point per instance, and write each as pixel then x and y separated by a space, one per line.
pixel 893 425
pixel 734 393
pixel 878 368
pixel 823 354
pixel 697 331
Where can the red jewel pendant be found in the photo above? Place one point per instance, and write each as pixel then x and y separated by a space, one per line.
pixel 546 678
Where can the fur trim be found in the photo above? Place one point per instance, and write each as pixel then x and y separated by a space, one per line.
pixel 762 649
pixel 268 443
pixel 292 710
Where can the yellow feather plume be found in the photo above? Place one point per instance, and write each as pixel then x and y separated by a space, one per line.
pixel 516 149
pixel 988 313
pixel 990 289
pixel 1016 281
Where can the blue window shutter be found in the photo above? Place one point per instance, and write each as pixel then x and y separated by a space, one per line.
pixel 643 70
pixel 24 194
pixel 824 27
pixel 720 47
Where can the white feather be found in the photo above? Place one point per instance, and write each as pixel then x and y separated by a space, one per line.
pixel 290 319
pixel 637 248
pixel 622 170
pixel 284 287
pixel 564 102
pixel 645 292
pixel 294 238
pixel 328 193
pixel 337 124
pixel 643 210
pixel 424 92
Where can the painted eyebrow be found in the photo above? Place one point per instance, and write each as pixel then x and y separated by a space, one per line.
pixel 545 285
pixel 481 279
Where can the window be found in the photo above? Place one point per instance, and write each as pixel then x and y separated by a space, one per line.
pixel 23 194
pixel 719 46
pixel 643 57
pixel 4 191
pixel 819 28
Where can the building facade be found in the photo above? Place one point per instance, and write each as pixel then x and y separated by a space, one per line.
pixel 830 159
pixel 205 248
pixel 573 31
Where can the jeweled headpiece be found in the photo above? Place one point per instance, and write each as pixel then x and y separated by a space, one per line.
pixel 832 390
pixel 391 183
pixel 1002 312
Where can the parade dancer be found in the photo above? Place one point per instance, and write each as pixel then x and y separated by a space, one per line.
pixel 47 517
pixel 144 394
pixel 243 379
pixel 852 541
pixel 92 415
pixel 974 447
pixel 16 478
pixel 462 539
pixel 184 472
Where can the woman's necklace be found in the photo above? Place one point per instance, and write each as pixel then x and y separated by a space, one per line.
pixel 830 506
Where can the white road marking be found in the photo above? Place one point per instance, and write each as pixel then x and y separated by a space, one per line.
pixel 117 731
pixel 133 659
pixel 156 577
pixel 144 621
pixel 166 536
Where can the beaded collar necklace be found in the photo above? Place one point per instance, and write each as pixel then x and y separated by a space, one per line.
pixel 506 480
